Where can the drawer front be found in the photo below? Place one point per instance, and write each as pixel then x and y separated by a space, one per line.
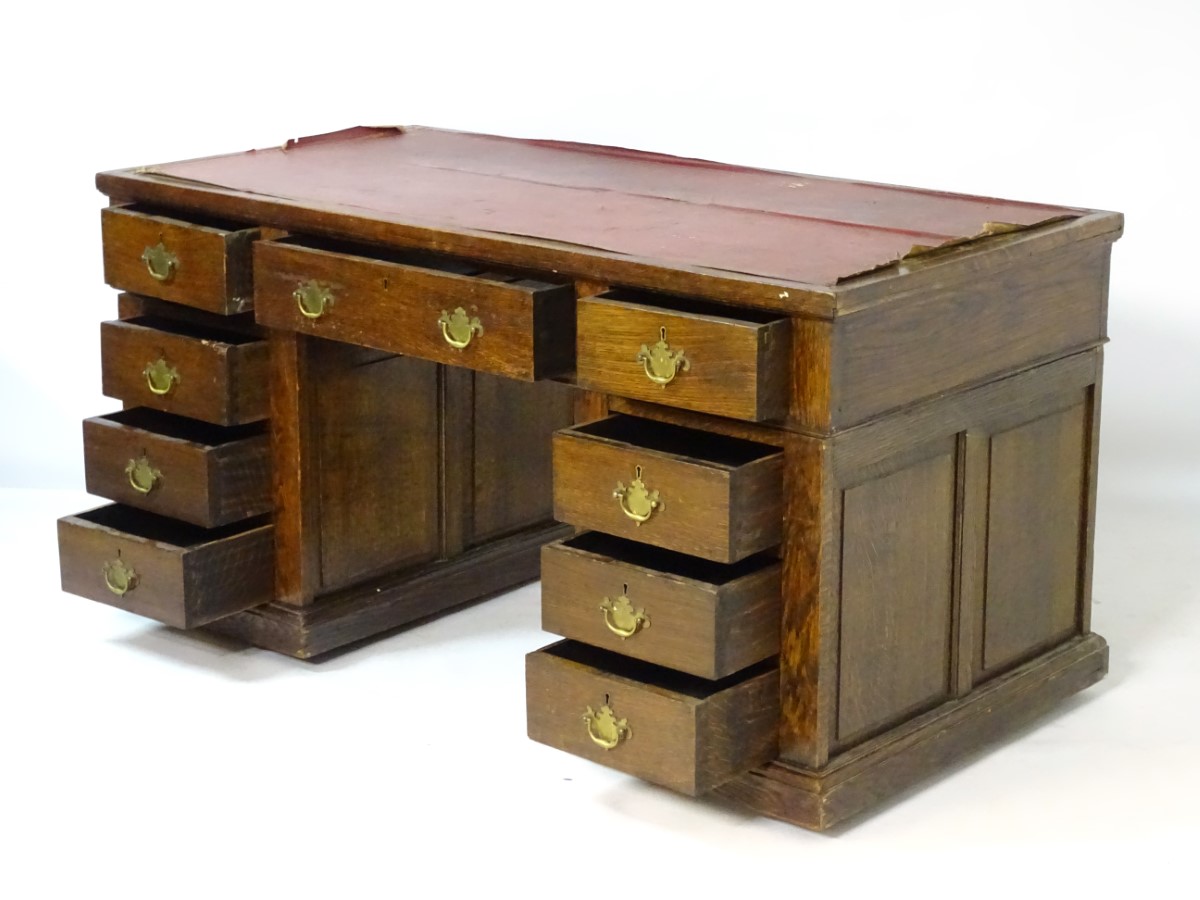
pixel 713 363
pixel 706 619
pixel 179 368
pixel 165 570
pixel 458 315
pixel 203 474
pixel 684 733
pixel 208 266
pixel 698 493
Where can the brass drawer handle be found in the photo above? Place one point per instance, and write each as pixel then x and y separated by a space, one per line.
pixel 660 362
pixel 160 262
pixel 604 728
pixel 161 376
pixel 458 328
pixel 313 299
pixel 143 477
pixel 118 577
pixel 621 618
pixel 636 502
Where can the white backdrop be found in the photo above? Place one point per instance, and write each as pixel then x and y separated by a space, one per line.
pixel 152 763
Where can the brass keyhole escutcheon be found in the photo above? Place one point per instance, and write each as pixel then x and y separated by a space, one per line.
pixel 458 328
pixel 620 616
pixel 161 376
pixel 313 299
pixel 160 262
pixel 604 728
pixel 119 577
pixel 636 502
pixel 660 362
pixel 143 477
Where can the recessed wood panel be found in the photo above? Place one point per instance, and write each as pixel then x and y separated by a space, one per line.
pixel 514 421
pixel 897 590
pixel 377 437
pixel 1035 522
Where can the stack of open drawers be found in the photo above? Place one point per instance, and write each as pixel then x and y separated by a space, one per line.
pixel 188 458
pixel 670 599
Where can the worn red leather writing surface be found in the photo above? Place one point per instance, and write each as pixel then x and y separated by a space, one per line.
pixel 666 209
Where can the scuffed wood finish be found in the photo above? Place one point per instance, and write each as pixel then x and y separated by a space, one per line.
pixel 861 779
pixel 213 270
pixel 737 362
pixel 186 576
pixel 394 302
pixel 720 498
pixel 687 734
pixel 407 597
pixel 132 306
pixel 207 475
pixel 222 376
pixel 706 619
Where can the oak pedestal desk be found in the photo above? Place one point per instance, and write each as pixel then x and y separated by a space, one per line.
pixel 824 452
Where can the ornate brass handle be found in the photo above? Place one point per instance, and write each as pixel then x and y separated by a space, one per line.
pixel 604 728
pixel 313 299
pixel 458 328
pixel 621 618
pixel 160 262
pixel 637 502
pixel 660 362
pixel 161 376
pixel 118 577
pixel 143 477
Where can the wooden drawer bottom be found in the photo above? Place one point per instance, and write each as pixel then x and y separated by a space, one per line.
pixel 685 733
pixel 166 570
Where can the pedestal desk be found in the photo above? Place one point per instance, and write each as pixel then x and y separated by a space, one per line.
pixel 823 452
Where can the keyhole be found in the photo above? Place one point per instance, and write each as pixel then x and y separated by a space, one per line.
pixel 637 472
pixel 662 333
pixel 606 699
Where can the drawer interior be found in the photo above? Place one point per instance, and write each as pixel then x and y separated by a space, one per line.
pixel 161 529
pixel 423 259
pixel 645 673
pixel 191 330
pixel 649 434
pixel 191 219
pixel 689 306
pixel 182 428
pixel 680 565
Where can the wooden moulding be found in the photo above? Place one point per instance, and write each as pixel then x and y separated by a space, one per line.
pixel 721 498
pixel 736 360
pixel 221 376
pixel 394 302
pixel 185 576
pixel 873 772
pixel 401 598
pixel 204 474
pixel 685 733
pixel 212 268
pixel 706 619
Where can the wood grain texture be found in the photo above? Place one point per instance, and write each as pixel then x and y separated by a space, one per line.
pixel 687 734
pixel 186 576
pixel 222 376
pixel 896 596
pixel 721 498
pixel 511 461
pixel 706 619
pixel 965 330
pixel 394 304
pixel 867 776
pixel 1036 503
pixel 737 365
pixel 207 475
pixel 213 271
pixel 377 463
pixel 397 599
